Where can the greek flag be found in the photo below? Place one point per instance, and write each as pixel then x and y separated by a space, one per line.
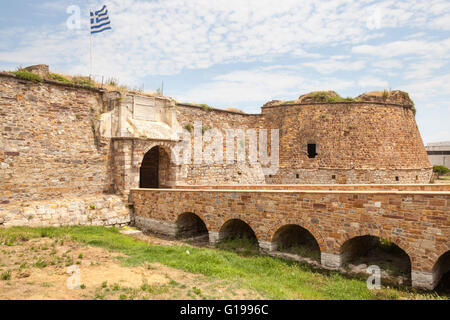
pixel 100 21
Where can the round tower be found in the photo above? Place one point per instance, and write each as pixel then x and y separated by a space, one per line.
pixel 324 138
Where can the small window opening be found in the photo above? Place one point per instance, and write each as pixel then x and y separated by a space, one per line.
pixel 270 176
pixel 297 176
pixel 397 179
pixel 417 178
pixel 333 177
pixel 312 150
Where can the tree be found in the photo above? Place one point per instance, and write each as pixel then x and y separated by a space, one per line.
pixel 441 170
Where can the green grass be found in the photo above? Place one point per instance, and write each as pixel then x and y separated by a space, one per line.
pixel 206 106
pixel 58 77
pixel 25 75
pixel 303 251
pixel 83 81
pixel 273 278
pixel 6 275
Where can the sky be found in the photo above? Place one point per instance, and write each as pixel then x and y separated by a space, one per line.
pixel 243 53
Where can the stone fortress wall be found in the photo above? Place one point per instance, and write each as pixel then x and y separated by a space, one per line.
pixel 61 144
pixel 75 155
pixel 356 142
pixel 55 168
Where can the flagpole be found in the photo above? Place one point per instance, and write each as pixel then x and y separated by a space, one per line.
pixel 90 69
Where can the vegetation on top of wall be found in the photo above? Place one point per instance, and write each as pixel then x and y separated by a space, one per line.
pixel 319 96
pixel 288 102
pixel 325 96
pixel 58 77
pixel 413 107
pixel 111 84
pixel 25 75
pixel 206 107
pixel 234 110
pixel 83 81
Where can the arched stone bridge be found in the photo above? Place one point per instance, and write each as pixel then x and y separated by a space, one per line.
pixel 417 221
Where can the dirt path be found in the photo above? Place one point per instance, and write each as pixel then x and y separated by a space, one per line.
pixel 37 269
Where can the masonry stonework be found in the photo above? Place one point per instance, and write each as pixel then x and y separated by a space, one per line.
pixel 53 162
pixel 74 155
pixel 417 221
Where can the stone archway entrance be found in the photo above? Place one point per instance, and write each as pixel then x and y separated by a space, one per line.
pixel 154 171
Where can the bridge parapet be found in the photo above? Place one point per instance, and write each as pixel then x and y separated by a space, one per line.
pixel 416 221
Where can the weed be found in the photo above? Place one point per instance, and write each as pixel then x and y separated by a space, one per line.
pixel 40 263
pixel 189 127
pixel 205 128
pixel 197 291
pixel 6 275
pixel 206 107
pixel 83 81
pixel 25 75
pixel 58 77
pixel 271 278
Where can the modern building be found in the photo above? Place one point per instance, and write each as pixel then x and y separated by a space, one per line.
pixel 439 153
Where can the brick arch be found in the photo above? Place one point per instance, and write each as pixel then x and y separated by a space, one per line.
pixel 189 223
pixel 438 254
pixel 401 243
pixel 301 223
pixel 230 217
pixel 205 220
pixel 141 151
pixel 142 148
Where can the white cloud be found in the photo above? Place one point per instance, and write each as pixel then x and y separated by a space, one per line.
pixel 375 83
pixel 437 48
pixel 165 37
pixel 388 64
pixel 424 68
pixel 333 65
pixel 250 87
pixel 431 88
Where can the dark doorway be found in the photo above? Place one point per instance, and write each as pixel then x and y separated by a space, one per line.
pixel 190 225
pixel 296 240
pixel 371 250
pixel 150 168
pixel 441 273
pixel 312 150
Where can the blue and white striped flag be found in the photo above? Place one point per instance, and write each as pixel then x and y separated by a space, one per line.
pixel 100 21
